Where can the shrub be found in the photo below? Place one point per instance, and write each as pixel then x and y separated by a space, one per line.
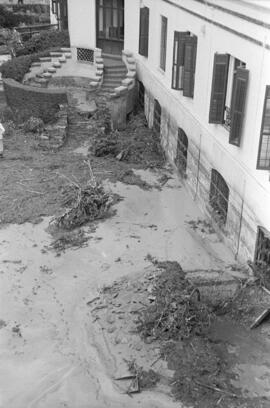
pixel 9 19
pixel 16 68
pixel 44 41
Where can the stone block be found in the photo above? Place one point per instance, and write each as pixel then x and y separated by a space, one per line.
pixel 45 59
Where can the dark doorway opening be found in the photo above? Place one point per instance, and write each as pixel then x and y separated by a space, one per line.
pixel 181 152
pixel 219 197
pixel 110 25
pixel 157 117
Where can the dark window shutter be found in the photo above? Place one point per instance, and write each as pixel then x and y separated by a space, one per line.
pixel 239 93
pixel 144 31
pixel 263 162
pixel 219 88
pixel 178 58
pixel 189 66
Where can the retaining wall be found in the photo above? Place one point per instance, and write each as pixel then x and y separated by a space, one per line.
pixel 26 101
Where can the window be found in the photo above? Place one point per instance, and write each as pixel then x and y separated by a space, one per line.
pixel 262 252
pixel 163 43
pixel 54 7
pixel 184 62
pixel 219 197
pixel 110 19
pixel 228 96
pixel 157 117
pixel 263 162
pixel 144 31
pixel 181 153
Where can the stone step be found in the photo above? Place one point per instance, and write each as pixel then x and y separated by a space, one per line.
pixel 113 80
pixel 36 64
pixel 115 75
pixel 111 57
pixel 40 74
pixel 67 55
pixel 65 49
pixel 41 81
pixel 57 65
pixel 52 70
pixel 47 75
pixel 62 60
pixel 45 59
pixel 56 54
pixel 116 68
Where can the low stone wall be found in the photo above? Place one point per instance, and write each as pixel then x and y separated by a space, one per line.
pixel 26 101
pixel 69 82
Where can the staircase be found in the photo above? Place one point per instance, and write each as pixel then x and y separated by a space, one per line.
pixel 42 70
pixel 114 72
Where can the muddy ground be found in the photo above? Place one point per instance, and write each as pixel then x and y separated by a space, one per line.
pixel 73 311
pixel 34 180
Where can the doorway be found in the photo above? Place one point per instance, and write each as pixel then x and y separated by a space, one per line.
pixel 110 25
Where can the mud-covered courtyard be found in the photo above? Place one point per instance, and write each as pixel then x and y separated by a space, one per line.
pixel 74 304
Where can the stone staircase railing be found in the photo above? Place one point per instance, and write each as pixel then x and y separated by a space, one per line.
pixel 124 97
pixel 99 63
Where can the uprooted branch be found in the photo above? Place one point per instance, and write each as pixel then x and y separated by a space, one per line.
pixel 85 203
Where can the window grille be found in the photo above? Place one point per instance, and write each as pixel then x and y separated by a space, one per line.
pixel 181 153
pixel 219 197
pixel 157 117
pixel 141 95
pixel 84 54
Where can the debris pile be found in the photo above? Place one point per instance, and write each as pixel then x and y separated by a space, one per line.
pixel 69 239
pixel 175 311
pixel 85 203
pixel 136 144
pixel 140 378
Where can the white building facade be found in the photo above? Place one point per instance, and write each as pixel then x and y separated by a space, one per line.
pixel 203 70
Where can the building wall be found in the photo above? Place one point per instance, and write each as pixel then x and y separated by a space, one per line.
pixel 220 28
pixel 249 188
pixel 82 23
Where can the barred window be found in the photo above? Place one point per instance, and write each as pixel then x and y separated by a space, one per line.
pixel 262 253
pixel 157 117
pixel 181 152
pixel 219 197
pixel 84 54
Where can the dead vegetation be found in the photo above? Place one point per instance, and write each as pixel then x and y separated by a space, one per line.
pixel 32 183
pixel 85 203
pixel 176 311
pixel 192 336
pixel 69 239
pixel 137 144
